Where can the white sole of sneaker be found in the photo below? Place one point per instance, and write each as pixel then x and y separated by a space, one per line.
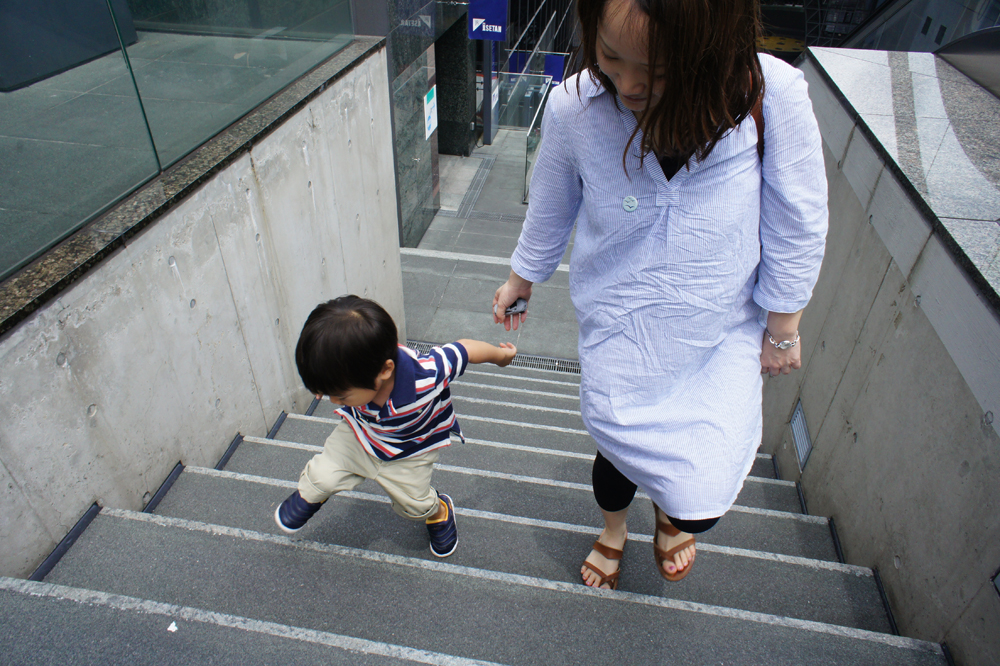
pixel 451 508
pixel 280 525
pixel 437 554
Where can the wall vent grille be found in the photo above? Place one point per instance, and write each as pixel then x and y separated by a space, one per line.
pixel 800 433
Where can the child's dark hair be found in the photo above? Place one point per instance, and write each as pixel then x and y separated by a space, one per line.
pixel 344 344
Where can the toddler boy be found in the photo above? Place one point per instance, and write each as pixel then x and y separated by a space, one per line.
pixel 396 409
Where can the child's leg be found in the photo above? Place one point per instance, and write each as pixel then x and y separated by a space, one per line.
pixel 408 484
pixel 342 465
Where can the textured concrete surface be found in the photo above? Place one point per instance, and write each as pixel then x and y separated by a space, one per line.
pixel 772 533
pixel 348 595
pixel 36 630
pixel 901 360
pixel 723 579
pixel 190 328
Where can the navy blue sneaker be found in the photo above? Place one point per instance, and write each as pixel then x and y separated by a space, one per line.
pixel 294 512
pixel 444 533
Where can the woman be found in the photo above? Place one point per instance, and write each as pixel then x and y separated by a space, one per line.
pixel 694 253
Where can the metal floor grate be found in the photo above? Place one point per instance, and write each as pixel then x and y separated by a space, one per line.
pixel 520 361
pixel 476 187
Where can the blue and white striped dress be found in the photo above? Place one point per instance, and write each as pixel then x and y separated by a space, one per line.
pixel 672 290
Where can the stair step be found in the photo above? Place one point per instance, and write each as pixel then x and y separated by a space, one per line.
pixel 537 461
pixel 526 378
pixel 513 373
pixel 495 472
pixel 516 410
pixel 724 576
pixel 566 417
pixel 439 606
pixel 743 527
pixel 314 431
pixel 54 624
pixel 535 396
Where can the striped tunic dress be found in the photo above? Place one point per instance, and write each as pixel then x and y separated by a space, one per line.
pixel 418 416
pixel 672 279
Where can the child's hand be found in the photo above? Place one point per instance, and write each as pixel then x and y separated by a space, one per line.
pixel 507 351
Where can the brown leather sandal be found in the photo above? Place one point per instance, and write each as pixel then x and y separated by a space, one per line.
pixel 662 555
pixel 611 554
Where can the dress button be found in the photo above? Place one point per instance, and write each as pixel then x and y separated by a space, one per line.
pixel 630 204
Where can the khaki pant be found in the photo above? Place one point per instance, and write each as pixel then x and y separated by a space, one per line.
pixel 344 464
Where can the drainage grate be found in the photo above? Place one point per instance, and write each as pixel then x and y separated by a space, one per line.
pixel 476 186
pixel 497 217
pixel 800 433
pixel 520 361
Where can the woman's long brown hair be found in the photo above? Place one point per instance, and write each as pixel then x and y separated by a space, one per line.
pixel 707 51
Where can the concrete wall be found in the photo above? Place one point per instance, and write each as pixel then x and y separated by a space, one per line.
pixel 186 336
pixel 901 361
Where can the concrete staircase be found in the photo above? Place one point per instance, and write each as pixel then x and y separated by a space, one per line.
pixel 204 576
pixel 358 585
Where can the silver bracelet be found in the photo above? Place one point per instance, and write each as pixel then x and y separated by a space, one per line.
pixel 784 345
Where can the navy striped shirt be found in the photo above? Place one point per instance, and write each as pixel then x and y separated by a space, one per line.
pixel 418 416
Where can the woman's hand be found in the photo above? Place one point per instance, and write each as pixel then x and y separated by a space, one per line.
pixel 776 361
pixel 514 288
pixel 781 326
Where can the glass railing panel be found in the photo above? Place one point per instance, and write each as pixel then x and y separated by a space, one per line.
pixel 534 138
pixel 521 96
pixel 199 66
pixel 72 135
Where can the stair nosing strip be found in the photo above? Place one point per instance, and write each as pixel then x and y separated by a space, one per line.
pixel 468 440
pixel 314 419
pixel 535 480
pixel 283 443
pixel 535 582
pixel 518 405
pixel 126 603
pixel 485 442
pixel 525 379
pixel 550 524
pixel 466 417
pixel 520 478
pixel 463 256
pixel 514 389
pixel 530 449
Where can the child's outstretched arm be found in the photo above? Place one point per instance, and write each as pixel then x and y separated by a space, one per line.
pixel 484 352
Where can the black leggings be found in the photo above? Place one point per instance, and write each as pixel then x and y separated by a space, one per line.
pixel 614 492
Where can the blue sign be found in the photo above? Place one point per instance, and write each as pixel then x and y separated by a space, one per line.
pixel 488 20
pixel 555 64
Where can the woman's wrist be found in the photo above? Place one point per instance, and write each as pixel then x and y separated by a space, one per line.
pixel 783 325
pixel 518 282
pixel 780 335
